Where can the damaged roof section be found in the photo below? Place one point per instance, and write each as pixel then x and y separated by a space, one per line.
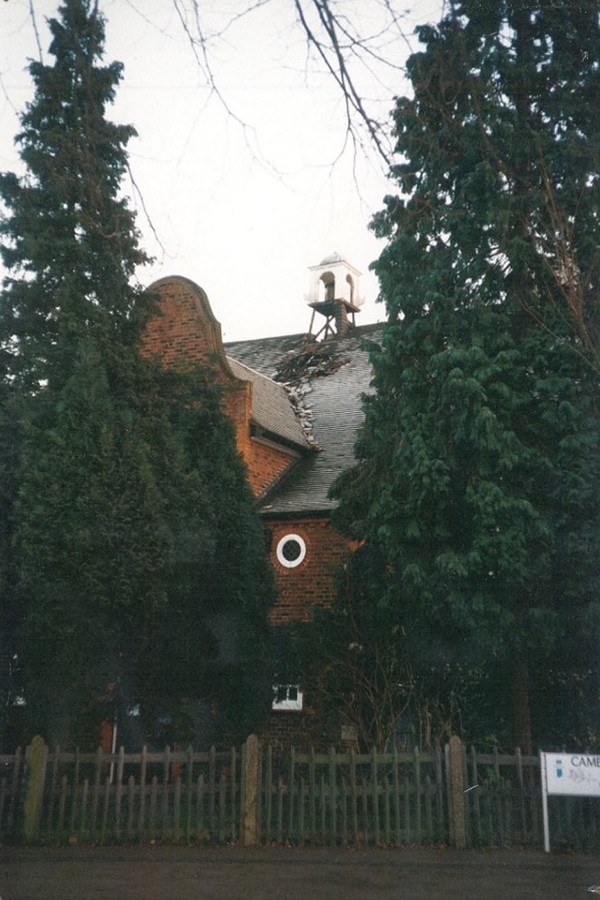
pixel 311 359
pixel 325 382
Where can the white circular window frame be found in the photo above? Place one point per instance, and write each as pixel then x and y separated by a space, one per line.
pixel 290 563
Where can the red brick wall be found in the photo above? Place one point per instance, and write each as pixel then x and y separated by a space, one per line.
pixel 266 464
pixel 299 589
pixel 313 582
pixel 185 331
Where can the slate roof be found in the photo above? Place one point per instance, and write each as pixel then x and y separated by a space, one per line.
pixel 272 411
pixel 329 383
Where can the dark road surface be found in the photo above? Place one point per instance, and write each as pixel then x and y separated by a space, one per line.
pixel 183 873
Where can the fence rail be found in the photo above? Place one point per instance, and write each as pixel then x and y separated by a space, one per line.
pixel 257 795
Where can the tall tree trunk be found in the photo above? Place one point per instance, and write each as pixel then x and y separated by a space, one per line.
pixel 522 720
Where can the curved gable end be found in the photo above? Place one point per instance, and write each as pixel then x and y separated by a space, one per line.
pixel 186 333
pixel 185 329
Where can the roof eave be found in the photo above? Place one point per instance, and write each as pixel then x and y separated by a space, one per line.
pixel 300 513
pixel 259 432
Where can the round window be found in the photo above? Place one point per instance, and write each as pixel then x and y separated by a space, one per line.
pixel 291 550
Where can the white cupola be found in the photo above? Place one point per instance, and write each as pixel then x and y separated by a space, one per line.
pixel 334 294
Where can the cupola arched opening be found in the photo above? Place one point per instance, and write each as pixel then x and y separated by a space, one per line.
pixel 350 283
pixel 328 291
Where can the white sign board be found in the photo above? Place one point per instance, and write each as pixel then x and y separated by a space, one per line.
pixel 576 774
pixel 567 774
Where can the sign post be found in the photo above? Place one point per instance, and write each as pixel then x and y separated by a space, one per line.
pixel 567 774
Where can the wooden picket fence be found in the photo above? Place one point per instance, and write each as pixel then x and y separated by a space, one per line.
pixel 346 798
pixel 254 795
pixel 110 798
pixel 502 799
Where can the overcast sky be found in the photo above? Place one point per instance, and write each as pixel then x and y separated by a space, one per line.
pixel 242 211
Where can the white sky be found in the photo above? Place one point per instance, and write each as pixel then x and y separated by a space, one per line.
pixel 242 212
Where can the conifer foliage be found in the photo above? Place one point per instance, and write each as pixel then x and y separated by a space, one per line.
pixel 116 474
pixel 479 476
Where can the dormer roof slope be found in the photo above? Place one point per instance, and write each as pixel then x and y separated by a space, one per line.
pixel 272 412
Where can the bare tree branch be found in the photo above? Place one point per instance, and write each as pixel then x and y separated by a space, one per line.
pixel 200 42
pixel 335 40
pixel 35 31
pixel 140 196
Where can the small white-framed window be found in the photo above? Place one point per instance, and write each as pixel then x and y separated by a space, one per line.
pixel 287 697
pixel 291 551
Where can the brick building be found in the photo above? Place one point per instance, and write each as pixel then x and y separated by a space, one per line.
pixel 295 404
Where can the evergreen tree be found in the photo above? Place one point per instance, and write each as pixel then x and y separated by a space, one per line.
pixel 116 515
pixel 9 455
pixel 69 236
pixel 479 475
pixel 208 657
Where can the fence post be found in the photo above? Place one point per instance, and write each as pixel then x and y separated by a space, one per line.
pixel 36 758
pixel 455 774
pixel 249 823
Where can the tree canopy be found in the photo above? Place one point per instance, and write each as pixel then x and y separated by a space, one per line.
pixel 478 485
pixel 121 482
